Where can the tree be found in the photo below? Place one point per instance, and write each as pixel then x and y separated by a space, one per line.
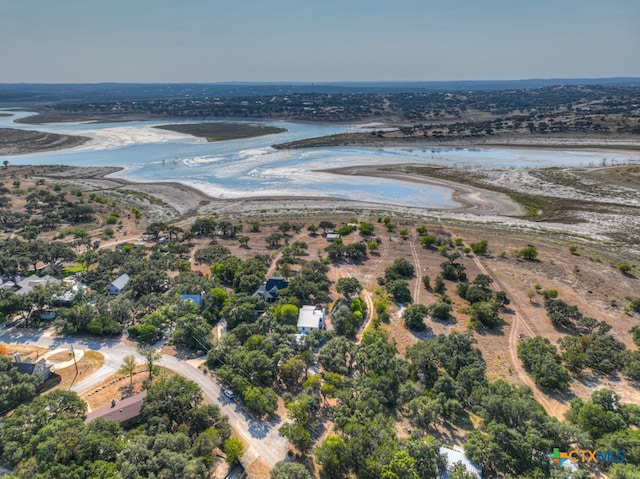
pixel 366 229
pixel 440 310
pixel 297 434
pixel 172 400
pixel 399 289
pixel 128 368
pixel 349 287
pixel 400 467
pixel 484 313
pixel 234 449
pixel 414 317
pixel 529 253
pixel 151 355
pixel 331 456
pixel 289 470
pixel 244 241
pixel 402 268
pixel 541 360
pixel 326 225
pixel 261 400
pixel 479 248
pixel 292 370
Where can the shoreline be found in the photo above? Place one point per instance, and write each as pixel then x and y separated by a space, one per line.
pixel 180 204
pixel 184 198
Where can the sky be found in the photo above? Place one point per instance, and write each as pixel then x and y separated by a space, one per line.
pixel 78 41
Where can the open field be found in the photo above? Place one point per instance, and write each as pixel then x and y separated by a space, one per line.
pixel 223 131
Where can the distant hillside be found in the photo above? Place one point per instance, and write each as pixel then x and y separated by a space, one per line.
pixel 22 93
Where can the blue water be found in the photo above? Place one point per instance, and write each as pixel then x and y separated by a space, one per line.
pixel 250 167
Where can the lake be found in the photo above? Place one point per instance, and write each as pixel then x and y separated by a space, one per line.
pixel 250 167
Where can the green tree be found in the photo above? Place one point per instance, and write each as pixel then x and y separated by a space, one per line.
pixel 171 399
pixel 289 470
pixel 541 360
pixel 234 449
pixel 128 368
pixel 529 253
pixel 479 248
pixel 440 310
pixel 414 317
pixel 484 313
pixel 261 400
pixel 330 455
pixel 399 289
pixel 349 287
pixel 150 355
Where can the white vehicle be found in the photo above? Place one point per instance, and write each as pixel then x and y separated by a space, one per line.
pixel 228 393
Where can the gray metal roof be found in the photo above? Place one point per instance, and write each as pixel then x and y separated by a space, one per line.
pixel 121 281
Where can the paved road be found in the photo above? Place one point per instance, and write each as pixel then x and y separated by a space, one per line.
pixel 262 437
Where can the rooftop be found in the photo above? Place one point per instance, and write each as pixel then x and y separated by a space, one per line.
pixel 310 317
pixel 121 412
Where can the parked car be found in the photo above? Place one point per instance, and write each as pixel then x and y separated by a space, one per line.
pixel 228 393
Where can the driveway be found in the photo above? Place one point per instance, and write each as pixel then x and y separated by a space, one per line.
pixel 262 437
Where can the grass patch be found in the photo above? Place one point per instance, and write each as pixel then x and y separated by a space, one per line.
pixel 223 131
pixel 73 269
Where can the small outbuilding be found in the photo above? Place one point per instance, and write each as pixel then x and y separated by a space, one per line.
pixel 118 285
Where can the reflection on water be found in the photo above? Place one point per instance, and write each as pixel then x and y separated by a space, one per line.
pixel 250 167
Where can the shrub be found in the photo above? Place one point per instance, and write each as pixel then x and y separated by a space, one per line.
pixel 529 253
pixel 440 310
pixel 479 248
pixel 624 268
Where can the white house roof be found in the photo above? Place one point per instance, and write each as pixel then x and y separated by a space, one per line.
pixel 457 455
pixel 121 281
pixel 310 317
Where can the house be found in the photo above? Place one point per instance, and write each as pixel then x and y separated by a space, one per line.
pixel 70 294
pixel 270 289
pixel 310 318
pixel 32 369
pixel 40 368
pixel 454 455
pixel 119 284
pixel 331 237
pixel 125 412
pixel 28 284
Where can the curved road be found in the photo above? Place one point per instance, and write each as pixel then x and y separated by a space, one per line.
pixel 263 437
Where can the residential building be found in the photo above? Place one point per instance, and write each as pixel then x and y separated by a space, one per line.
pixel 118 284
pixel 454 455
pixel 125 412
pixel 27 284
pixel 310 318
pixel 270 289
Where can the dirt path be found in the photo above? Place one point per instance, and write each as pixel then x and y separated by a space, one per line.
pixel 520 324
pixel 418 269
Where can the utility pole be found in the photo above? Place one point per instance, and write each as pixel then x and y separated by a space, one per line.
pixel 75 363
